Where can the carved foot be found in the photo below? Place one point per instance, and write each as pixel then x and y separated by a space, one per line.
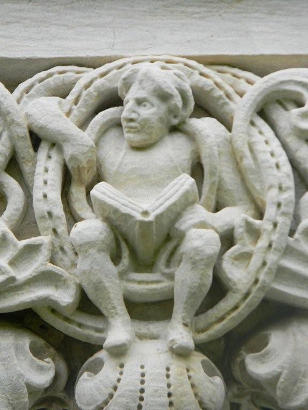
pixel 120 336
pixel 180 339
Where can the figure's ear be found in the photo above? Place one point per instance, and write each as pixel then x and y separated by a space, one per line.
pixel 174 119
pixel 126 81
pixel 184 89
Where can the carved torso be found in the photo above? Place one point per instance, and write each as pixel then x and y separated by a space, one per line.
pixel 134 171
pixel 148 263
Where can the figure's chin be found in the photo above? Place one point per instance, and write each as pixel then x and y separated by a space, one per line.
pixel 138 141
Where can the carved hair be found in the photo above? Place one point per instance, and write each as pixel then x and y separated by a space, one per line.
pixel 169 85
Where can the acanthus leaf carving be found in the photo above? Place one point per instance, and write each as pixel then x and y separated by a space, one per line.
pixel 29 368
pixel 29 280
pixel 272 365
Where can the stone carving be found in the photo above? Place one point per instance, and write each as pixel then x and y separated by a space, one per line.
pixel 147 196
pixel 272 366
pixel 24 265
pixel 29 368
pixel 123 382
pixel 167 209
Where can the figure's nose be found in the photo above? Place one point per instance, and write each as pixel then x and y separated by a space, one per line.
pixel 130 113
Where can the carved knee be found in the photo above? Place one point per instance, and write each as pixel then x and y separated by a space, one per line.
pixel 203 244
pixel 92 234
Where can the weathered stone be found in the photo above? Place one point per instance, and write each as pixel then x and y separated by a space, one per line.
pixel 163 191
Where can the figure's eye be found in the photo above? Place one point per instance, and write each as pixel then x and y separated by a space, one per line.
pixel 145 104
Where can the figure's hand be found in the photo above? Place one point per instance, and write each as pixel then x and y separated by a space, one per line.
pixel 46 118
pixel 193 217
pixel 225 220
pixel 222 222
pixel 80 157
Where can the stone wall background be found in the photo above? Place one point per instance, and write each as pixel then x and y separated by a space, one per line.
pixel 254 35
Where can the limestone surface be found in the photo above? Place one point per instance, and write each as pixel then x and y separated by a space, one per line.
pixel 153 217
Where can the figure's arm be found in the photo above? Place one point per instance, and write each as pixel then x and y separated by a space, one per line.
pixel 47 120
pixel 232 198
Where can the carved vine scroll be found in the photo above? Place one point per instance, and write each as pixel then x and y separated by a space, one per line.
pixel 163 193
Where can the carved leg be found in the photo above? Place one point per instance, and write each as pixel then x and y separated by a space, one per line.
pixel 94 243
pixel 193 279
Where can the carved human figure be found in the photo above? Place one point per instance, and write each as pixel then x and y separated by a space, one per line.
pixel 146 164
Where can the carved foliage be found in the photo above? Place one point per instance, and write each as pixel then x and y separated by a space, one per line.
pixel 29 367
pixel 272 366
pixel 28 280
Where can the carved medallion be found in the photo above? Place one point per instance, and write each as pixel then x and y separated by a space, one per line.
pixel 164 196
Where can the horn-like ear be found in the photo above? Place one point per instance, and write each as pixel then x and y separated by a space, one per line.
pixel 126 81
pixel 175 119
pixel 183 88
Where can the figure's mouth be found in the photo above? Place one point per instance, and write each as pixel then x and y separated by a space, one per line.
pixel 131 128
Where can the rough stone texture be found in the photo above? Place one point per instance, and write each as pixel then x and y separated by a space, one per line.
pixel 239 328
pixel 100 28
pixel 253 35
pixel 209 246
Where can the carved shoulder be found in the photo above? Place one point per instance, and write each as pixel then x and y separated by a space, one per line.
pixel 110 141
pixel 218 133
pixel 232 190
pixel 104 121
pixel 223 184
pixel 215 128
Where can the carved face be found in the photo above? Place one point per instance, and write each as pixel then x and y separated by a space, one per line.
pixel 145 118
